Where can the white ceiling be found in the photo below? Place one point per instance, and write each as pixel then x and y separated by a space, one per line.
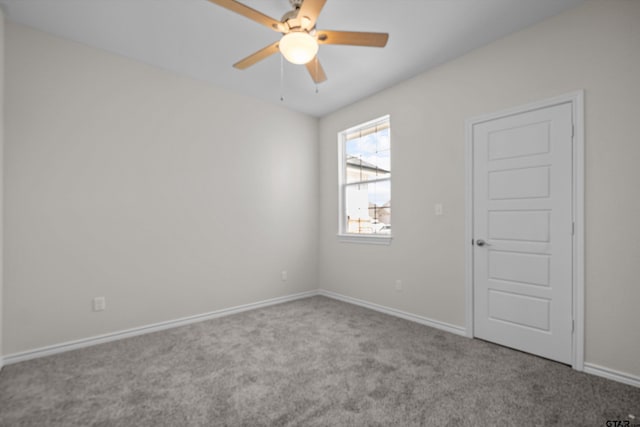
pixel 202 40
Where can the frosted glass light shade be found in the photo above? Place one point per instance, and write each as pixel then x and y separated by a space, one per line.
pixel 298 47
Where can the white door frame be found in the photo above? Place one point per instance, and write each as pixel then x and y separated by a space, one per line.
pixel 577 102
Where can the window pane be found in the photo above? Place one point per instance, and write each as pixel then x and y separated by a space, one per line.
pixel 368 208
pixel 368 157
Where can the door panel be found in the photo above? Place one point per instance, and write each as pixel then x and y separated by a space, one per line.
pixel 519 267
pixel 521 141
pixel 525 183
pixel 530 226
pixel 522 196
pixel 521 310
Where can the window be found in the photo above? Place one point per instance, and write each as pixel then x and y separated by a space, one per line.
pixel 365 181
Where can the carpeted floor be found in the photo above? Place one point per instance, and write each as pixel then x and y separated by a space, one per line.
pixel 311 362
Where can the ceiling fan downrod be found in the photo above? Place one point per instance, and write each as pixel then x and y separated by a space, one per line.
pixel 296 4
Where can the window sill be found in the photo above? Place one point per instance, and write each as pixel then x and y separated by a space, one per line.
pixel 366 239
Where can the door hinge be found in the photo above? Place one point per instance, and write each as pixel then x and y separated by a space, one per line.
pixel 573 228
pixel 573 131
pixel 573 326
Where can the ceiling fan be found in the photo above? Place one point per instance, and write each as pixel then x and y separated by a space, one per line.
pixel 300 38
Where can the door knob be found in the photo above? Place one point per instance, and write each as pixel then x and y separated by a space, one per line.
pixel 481 242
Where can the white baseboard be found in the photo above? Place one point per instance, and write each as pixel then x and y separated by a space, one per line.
pixel 458 330
pixel 114 336
pixel 612 374
pixel 9 359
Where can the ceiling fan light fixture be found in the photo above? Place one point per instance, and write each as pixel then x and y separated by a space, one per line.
pixel 298 47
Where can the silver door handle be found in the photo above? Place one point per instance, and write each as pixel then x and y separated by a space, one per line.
pixel 481 242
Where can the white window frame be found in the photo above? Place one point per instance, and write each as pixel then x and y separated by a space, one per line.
pixel 343 235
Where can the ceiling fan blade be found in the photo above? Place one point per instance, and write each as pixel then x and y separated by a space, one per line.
pixel 352 38
pixel 311 9
pixel 250 13
pixel 263 53
pixel 316 71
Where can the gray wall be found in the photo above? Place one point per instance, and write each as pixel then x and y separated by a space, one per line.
pixel 1 173
pixel 165 195
pixel 595 47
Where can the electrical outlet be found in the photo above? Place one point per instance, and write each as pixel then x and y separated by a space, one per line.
pixel 438 209
pixel 398 285
pixel 99 304
pixel 285 276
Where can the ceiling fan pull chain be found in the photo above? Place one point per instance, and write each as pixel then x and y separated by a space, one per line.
pixel 281 78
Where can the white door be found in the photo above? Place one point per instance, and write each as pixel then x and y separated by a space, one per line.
pixel 522 231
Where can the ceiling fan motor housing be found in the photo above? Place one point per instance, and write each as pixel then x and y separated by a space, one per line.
pixel 289 15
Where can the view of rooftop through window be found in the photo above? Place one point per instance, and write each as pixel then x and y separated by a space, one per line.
pixel 366 178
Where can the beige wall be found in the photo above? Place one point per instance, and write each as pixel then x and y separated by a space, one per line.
pixel 595 47
pixel 165 195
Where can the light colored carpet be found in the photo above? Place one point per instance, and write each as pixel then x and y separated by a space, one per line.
pixel 311 362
